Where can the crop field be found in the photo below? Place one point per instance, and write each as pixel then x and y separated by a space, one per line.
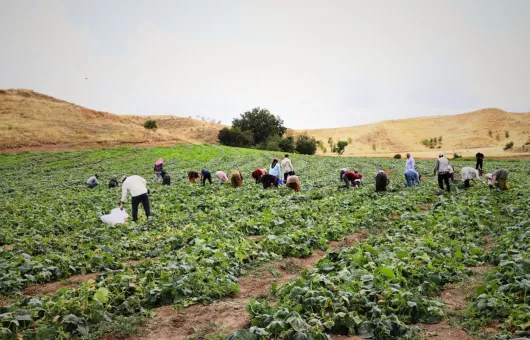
pixel 409 263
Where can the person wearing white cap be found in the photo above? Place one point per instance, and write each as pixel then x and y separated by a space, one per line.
pixel 140 194
pixel 442 168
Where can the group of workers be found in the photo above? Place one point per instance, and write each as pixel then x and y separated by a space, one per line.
pixel 282 173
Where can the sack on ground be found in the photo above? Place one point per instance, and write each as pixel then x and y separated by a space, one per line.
pixel 116 216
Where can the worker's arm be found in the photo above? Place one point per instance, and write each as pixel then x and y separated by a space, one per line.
pixel 493 179
pixel 436 166
pixel 123 195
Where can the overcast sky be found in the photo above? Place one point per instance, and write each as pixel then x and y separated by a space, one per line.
pixel 314 63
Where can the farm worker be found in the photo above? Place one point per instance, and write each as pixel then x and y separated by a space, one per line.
pixel 268 181
pixel 113 183
pixel 442 168
pixel 287 168
pixel 343 171
pixel 138 187
pixel 412 177
pixel 92 182
pixel 499 179
pixel 221 176
pixel 293 182
pixel 354 177
pixel 410 164
pixel 381 181
pixel 236 179
pixel 193 175
pixel 480 160
pixel 275 168
pixel 451 172
pixel 166 179
pixel 468 174
pixel 206 175
pixel 159 167
pixel 258 173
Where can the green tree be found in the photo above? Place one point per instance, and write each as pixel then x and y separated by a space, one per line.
pixel 508 146
pixel 287 144
pixel 262 123
pixel 341 146
pixel 306 145
pixel 235 137
pixel 150 124
pixel 374 147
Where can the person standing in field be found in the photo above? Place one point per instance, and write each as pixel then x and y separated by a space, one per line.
pixel 206 175
pixel 412 177
pixel 221 177
pixel 293 182
pixel 468 174
pixel 287 168
pixel 275 169
pixel 92 182
pixel 499 179
pixel 381 181
pixel 342 172
pixel 138 187
pixel 410 164
pixel 480 161
pixel 159 167
pixel 442 168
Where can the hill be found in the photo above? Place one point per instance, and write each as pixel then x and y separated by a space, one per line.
pixel 33 121
pixel 30 120
pixel 463 133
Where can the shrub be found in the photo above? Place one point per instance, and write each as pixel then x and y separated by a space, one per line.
pixel 235 137
pixel 397 156
pixel 457 156
pixel 490 133
pixel 374 146
pixel 508 146
pixel 322 147
pixel 306 145
pixel 507 134
pixel 287 144
pixel 150 124
pixel 340 147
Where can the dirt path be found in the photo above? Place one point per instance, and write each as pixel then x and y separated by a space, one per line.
pixel 230 314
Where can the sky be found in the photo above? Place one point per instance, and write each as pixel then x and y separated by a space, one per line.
pixel 315 64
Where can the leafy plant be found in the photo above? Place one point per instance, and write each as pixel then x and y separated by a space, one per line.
pixel 150 124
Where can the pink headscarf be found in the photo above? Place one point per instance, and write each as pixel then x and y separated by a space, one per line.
pixel 160 161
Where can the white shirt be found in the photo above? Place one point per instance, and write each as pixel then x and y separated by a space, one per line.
pixel 135 184
pixel 91 180
pixel 410 164
pixel 469 173
pixel 286 165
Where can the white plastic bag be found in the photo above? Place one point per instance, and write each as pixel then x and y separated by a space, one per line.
pixel 116 216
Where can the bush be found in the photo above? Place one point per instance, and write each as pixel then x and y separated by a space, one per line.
pixel 340 147
pixel 397 156
pixel 287 144
pixel 262 123
pixel 235 137
pixel 507 134
pixel 150 124
pixel 306 145
pixel 457 156
pixel 508 146
pixel 322 147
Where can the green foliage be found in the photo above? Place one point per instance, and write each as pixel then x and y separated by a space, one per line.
pixel 397 156
pixel 340 147
pixel 490 133
pixel 456 156
pixel 322 147
pixel 374 146
pixel 232 136
pixel 287 144
pixel 507 134
pixel 508 146
pixel 262 123
pixel 433 143
pixel 150 124
pixel 306 145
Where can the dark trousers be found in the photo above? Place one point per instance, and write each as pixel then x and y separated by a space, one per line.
pixel 467 183
pixel 381 182
pixel 444 178
pixel 206 177
pixel 92 185
pixel 287 174
pixel 479 163
pixel 342 172
pixel 144 199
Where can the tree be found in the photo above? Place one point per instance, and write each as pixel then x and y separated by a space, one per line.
pixel 322 147
pixel 374 146
pixel 490 133
pixel 235 137
pixel 261 123
pixel 306 145
pixel 507 134
pixel 341 146
pixel 150 124
pixel 440 139
pixel 508 146
pixel 287 144
pixel 349 140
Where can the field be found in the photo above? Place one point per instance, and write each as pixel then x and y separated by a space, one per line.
pixel 409 263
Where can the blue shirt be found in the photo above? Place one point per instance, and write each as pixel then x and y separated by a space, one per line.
pixel 275 171
pixel 410 164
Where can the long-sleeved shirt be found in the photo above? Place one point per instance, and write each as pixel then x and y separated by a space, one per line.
pixel 135 184
pixel 500 174
pixel 221 176
pixel 410 164
pixel 442 166
pixel 92 180
pixel 275 171
pixel 286 165
pixel 412 177
pixel 352 176
pixel 468 172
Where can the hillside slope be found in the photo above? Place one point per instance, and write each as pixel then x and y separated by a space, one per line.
pixel 32 120
pixel 459 132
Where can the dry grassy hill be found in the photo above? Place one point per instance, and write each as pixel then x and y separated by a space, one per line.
pixel 464 133
pixel 30 120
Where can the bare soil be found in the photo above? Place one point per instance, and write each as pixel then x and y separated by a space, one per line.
pixel 52 287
